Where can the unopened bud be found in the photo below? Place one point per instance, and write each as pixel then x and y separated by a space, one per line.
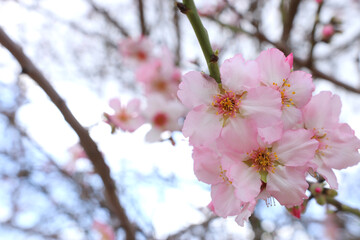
pixel 321 200
pixel 316 188
pixel 331 193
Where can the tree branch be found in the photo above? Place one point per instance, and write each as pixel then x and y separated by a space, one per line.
pixel 142 17
pixel 86 141
pixel 289 20
pixel 188 7
pixel 342 207
pixel 178 36
pixel 109 18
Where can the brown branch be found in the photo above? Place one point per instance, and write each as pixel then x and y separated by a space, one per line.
pixel 86 141
pixel 178 35
pixel 313 41
pixel 289 20
pixel 142 17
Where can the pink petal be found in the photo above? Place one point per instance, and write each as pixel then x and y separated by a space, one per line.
pixel 237 75
pixel 296 147
pixel 240 134
pixel 273 67
pixel 134 124
pixel 115 104
pixel 195 90
pixel 342 148
pixel 292 117
pixel 153 135
pixel 133 106
pixel 301 88
pixel 288 185
pixel 224 201
pixel 329 175
pixel 202 126
pixel 246 181
pixel 322 111
pixel 271 134
pixel 207 165
pixel 263 105
pixel 246 212
pixel 290 59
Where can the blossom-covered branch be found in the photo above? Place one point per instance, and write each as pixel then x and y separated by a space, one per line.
pixel 86 141
pixel 188 7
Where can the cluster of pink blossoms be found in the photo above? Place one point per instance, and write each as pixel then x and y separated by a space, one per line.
pixel 258 133
pixel 159 79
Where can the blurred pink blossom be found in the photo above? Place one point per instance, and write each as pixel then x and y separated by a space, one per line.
pixel 328 31
pixel 106 231
pixel 160 75
pixel 212 9
pixel 127 118
pixel 138 49
pixel 163 115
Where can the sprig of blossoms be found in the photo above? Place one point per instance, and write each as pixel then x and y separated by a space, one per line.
pixel 258 133
pixel 159 79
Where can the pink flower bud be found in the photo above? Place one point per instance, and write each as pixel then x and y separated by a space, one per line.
pixel 290 59
pixel 328 31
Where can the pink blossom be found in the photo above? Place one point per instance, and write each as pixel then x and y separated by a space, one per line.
pixel 319 1
pixel 209 169
pixel 338 145
pixel 296 211
pixel 77 152
pixel 290 60
pixel 212 9
pixel 281 165
pixel 246 211
pixel 238 106
pixel 136 49
pixel 163 115
pixel 160 75
pixel 328 31
pixel 106 231
pixel 295 87
pixel 127 118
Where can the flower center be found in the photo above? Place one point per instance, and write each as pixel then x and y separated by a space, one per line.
pixel 223 175
pixel 160 119
pixel 320 135
pixel 160 85
pixel 263 160
pixel 285 99
pixel 227 103
pixel 123 116
pixel 141 55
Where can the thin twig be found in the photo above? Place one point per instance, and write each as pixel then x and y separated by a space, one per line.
pixel 109 18
pixel 312 35
pixel 188 7
pixel 142 18
pixel 342 207
pixel 178 35
pixel 86 141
